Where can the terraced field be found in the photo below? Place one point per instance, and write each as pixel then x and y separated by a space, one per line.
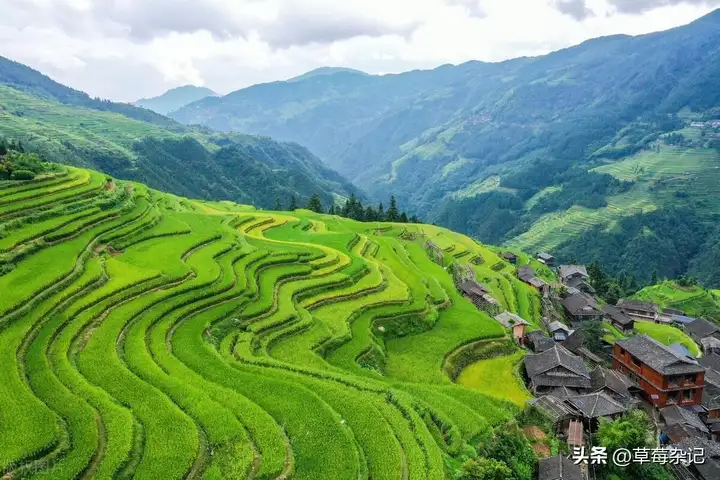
pixel 658 177
pixel 143 335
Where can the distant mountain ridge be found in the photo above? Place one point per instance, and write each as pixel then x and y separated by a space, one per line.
pixel 67 126
pixel 175 99
pixel 514 151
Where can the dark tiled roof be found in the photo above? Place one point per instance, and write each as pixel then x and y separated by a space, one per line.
pixel 539 341
pixel 473 288
pixel 553 407
pixel 712 449
pixel 658 356
pixel 509 255
pixel 570 270
pixel 555 326
pixel 672 311
pixel 508 319
pixel 574 341
pixel 710 343
pixel 678 415
pixel 638 305
pixel 541 368
pixel 711 395
pixel 563 392
pixel 525 271
pixel 710 470
pixel 580 304
pixel 678 432
pixel 596 405
pixel 700 329
pixel 545 256
pixel 558 468
pixel 558 356
pixel 617 316
pixel 710 361
pixel 604 378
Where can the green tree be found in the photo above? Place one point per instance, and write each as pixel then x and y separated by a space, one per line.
pixel 654 280
pixel 314 204
pixel 331 210
pixel 592 333
pixel 278 206
pixel 293 204
pixel 370 214
pixel 613 293
pixel 381 212
pixel 414 219
pixel 404 217
pixel 598 279
pixel 392 213
pixel 485 469
pixel 509 445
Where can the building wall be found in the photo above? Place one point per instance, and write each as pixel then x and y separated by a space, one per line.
pixel 655 386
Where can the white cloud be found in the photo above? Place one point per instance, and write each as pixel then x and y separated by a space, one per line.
pixel 127 49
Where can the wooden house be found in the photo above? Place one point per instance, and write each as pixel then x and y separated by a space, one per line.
pixel 537 341
pixel 556 367
pixel 559 331
pixel 639 310
pixel 514 323
pixel 664 376
pixel 614 384
pixel 581 307
pixel 480 296
pixel 546 259
pixel 618 319
pixel 700 329
pixel 510 257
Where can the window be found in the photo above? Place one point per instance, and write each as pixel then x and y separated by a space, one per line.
pixel 622 351
pixel 674 381
pixel 688 395
pixel 672 398
pixel 635 361
pixel 691 379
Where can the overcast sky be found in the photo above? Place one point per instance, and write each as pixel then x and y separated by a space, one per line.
pixel 128 49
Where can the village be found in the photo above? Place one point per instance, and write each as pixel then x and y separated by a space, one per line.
pixel 577 389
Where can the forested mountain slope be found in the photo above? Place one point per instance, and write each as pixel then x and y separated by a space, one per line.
pixel 67 126
pixel 144 335
pixel 520 150
pixel 175 99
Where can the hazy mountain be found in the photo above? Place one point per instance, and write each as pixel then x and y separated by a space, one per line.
pixel 68 126
pixel 505 150
pixel 175 99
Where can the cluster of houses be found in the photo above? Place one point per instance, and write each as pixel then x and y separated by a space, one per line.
pixel 576 389
pixel 707 124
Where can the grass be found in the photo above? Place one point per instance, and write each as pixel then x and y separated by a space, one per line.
pixel 169 338
pixel 495 377
pixel 668 335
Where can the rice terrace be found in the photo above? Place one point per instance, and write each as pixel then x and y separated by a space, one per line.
pixel 148 336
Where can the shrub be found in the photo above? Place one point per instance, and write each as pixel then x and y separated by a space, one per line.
pixel 22 175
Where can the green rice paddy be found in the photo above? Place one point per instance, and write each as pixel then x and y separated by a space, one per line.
pixel 149 336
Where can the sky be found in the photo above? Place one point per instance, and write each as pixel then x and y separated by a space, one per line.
pixel 129 49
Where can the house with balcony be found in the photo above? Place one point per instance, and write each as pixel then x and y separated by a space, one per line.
pixel 639 310
pixel 665 377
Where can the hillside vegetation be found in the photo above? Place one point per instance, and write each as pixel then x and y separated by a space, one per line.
pixel 67 126
pixel 145 335
pixel 551 152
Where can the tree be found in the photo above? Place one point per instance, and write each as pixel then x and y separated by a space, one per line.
pixel 404 217
pixel 509 445
pixel 629 431
pixel 592 333
pixel 392 213
pixel 331 210
pixel 598 279
pixel 370 214
pixel 293 203
pixel 485 469
pixel 414 219
pixel 314 204
pixel 613 293
pixel 278 206
pixel 654 280
pixel 381 213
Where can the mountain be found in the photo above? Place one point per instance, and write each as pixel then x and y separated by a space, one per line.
pixel 175 99
pixel 325 71
pixel 67 126
pixel 173 338
pixel 551 152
